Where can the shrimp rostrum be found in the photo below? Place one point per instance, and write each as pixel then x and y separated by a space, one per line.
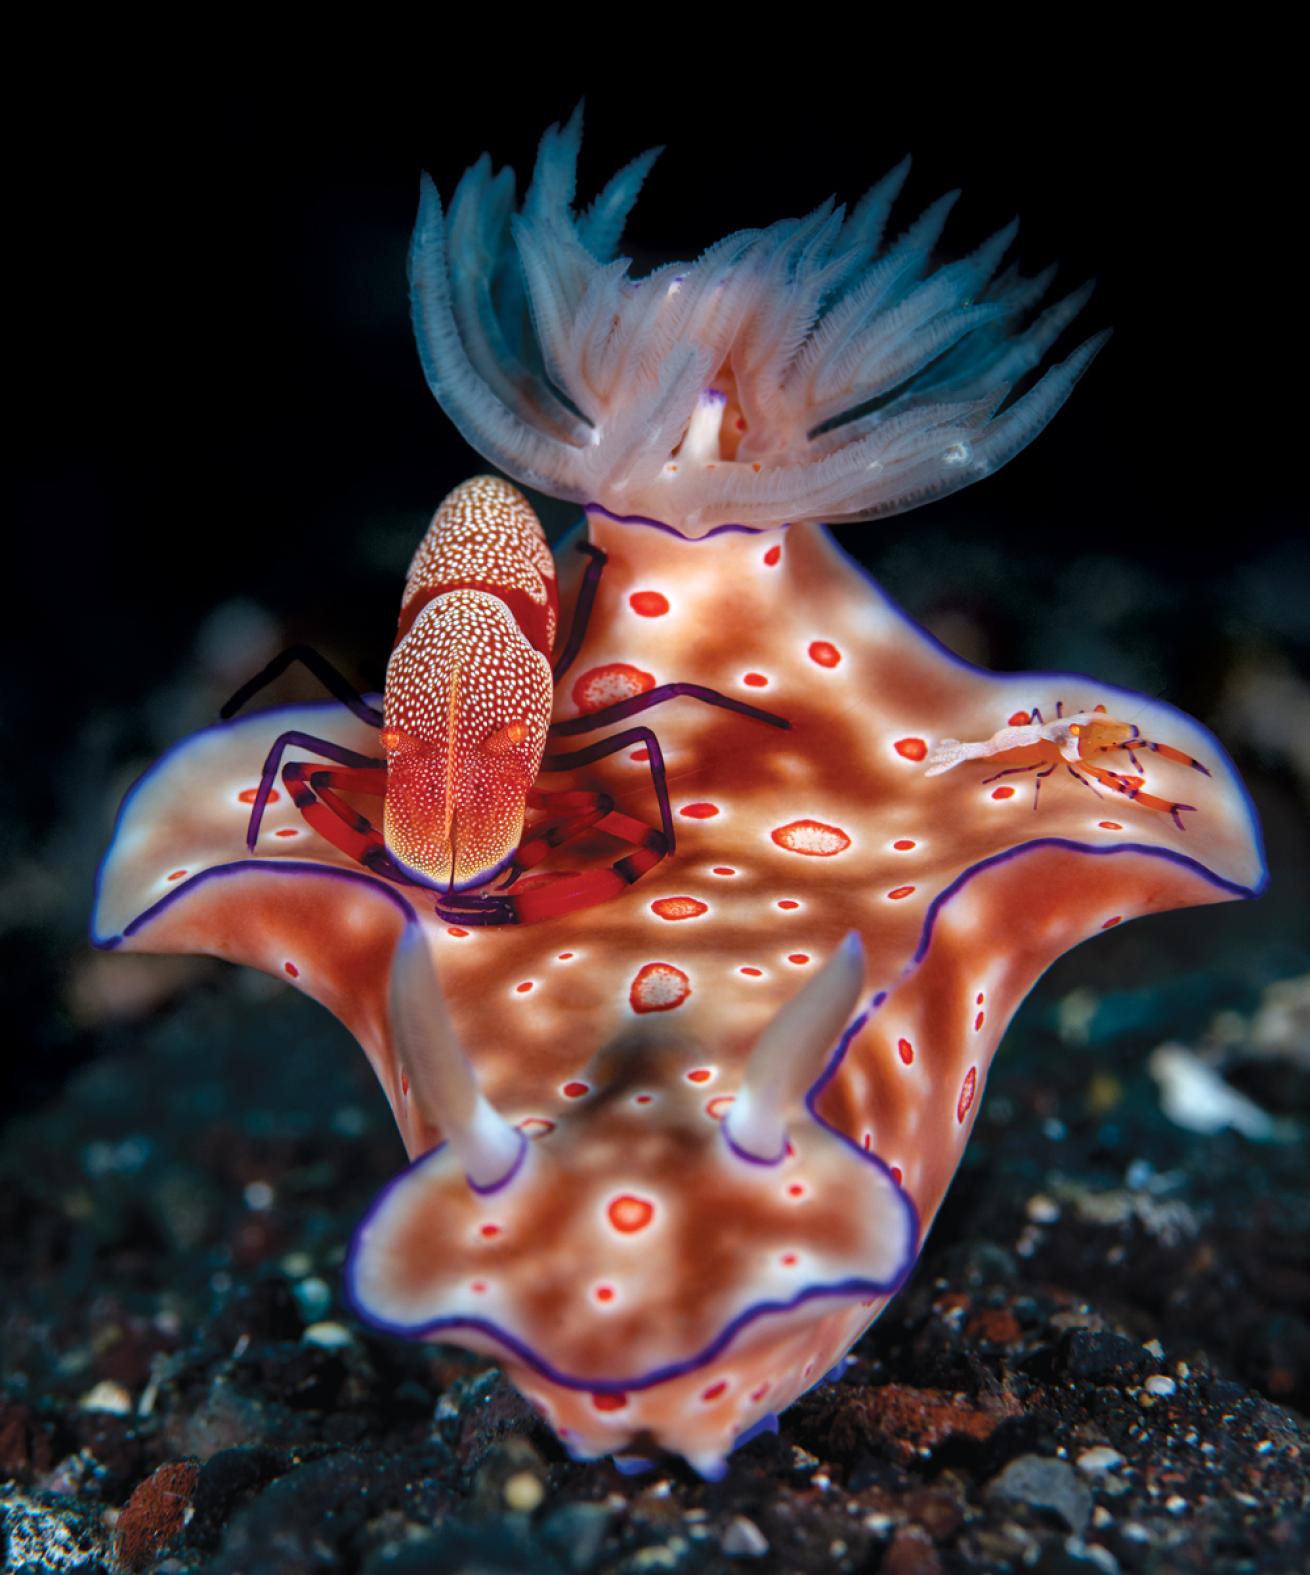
pixel 464 729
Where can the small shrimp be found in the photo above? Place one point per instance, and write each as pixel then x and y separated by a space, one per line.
pixel 1028 743
pixel 465 725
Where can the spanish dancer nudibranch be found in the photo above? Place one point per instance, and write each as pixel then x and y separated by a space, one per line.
pixel 678 1127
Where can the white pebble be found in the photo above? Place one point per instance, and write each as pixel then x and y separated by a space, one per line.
pixel 259 1196
pixel 1101 1458
pixel 1159 1384
pixel 523 1492
pixel 744 1540
pixel 107 1396
pixel 1176 1504
pixel 328 1336
pixel 1043 1210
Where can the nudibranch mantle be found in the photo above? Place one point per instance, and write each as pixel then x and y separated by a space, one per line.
pixel 672 1155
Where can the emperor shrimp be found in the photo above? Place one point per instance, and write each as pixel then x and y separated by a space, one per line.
pixel 465 726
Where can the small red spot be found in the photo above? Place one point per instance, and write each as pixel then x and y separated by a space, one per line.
pixel 868 1142
pixel 457 932
pixel 824 653
pixel 176 875
pixel 490 1230
pixel 287 831
pixel 575 1090
pixel 979 1021
pixel 522 989
pixel 759 1394
pixel 609 1402
pixel 788 903
pixel 715 1390
pixel 478 1286
pixel 717 1107
pixel 1020 719
pixel 1003 792
pixel 752 973
pixel 1109 825
pixel 699 811
pixel 700 1074
pixel 723 869
pixel 290 968
pixel 911 748
pixel 658 987
pixel 673 908
pixel 629 1214
pixel 602 686
pixel 813 838
pixel 641 754
pixel 772 555
pixel 799 958
pixel 755 680
pixel 795 1190
pixel 907 1051
pixel 966 1094
pixel 1110 923
pixel 604 1293
pixel 642 1099
pixel 901 891
pixel 979 998
pixel 649 604
pixel 904 844
pixel 536 1126
pixel 896 1174
pixel 404 1083
pixel 249 795
pixel 564 957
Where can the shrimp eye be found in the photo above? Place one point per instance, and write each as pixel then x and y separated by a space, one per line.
pixel 1075 729
pixel 505 738
pixel 391 738
pixel 1098 708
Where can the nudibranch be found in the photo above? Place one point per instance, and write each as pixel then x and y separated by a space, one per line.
pixel 672 1154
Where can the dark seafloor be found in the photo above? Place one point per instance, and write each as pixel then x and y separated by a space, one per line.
pixel 1102 1361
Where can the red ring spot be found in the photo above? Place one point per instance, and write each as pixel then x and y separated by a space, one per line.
pixel 799 958
pixel 979 1021
pixel 1020 719
pixel 1110 923
pixel 649 604
pixel 249 795
pixel 795 1190
pixel 1003 792
pixel 602 686
pixel 457 932
pixel 563 956
pixel 717 1107
pixel 609 1402
pixel 759 1394
pixel 895 1173
pixel 1109 825
pixel 490 1230
pixel 628 1213
pixel 699 811
pixel 904 844
pixel 824 653
pixel 287 831
pixel 907 1051
pixel 575 1090
pixel 604 1293
pixel 788 903
pixel 536 1126
pixel 814 838
pixel 291 969
pixel 641 754
pixel 176 875
pixel 966 1094
pixel 752 973
pixel 700 1074
pixel 658 987
pixel 642 1099
pixel 772 555
pixel 723 869
pixel 901 891
pixel 715 1390
pixel 755 680
pixel 673 908
pixel 522 989
pixel 911 748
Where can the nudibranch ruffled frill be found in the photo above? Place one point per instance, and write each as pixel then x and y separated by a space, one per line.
pixel 694 1137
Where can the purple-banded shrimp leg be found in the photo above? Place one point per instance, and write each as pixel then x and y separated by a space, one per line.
pixel 657 696
pixel 581 608
pixel 339 687
pixel 1074 772
pixel 320 746
pixel 1037 784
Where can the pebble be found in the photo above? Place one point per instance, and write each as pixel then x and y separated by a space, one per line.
pixel 107 1396
pixel 328 1336
pixel 1159 1384
pixel 744 1540
pixel 1100 1458
pixel 523 1492
pixel 259 1196
pixel 1176 1504
pixel 1044 1483
pixel 313 1298
pixel 1043 1210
